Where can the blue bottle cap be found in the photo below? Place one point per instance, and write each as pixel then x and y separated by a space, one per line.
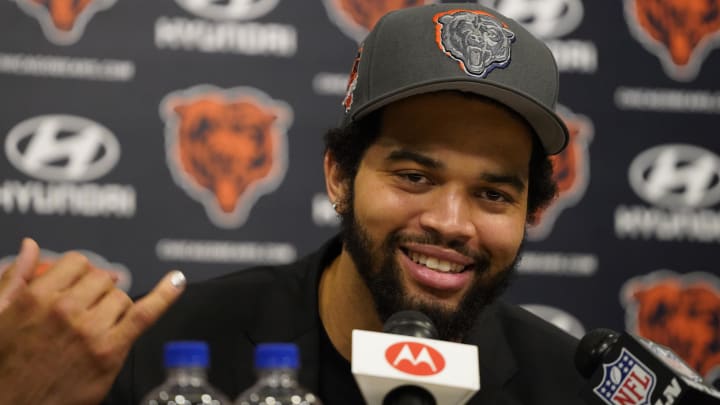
pixel 276 355
pixel 186 354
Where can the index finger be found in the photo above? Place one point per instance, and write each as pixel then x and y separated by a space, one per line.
pixel 23 267
pixel 20 272
pixel 148 309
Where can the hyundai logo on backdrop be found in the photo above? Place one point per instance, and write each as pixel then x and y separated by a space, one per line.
pixel 62 148
pixel 681 182
pixel 544 18
pixel 229 9
pixel 65 153
pixel 677 176
pixel 226 27
pixel 553 21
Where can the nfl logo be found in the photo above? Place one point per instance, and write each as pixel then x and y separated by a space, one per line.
pixel 626 381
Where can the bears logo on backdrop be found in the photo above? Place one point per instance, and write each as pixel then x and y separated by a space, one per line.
pixel 49 257
pixel 680 312
pixel 357 17
pixel 226 148
pixel 63 21
pixel 680 32
pixel 477 40
pixel 571 170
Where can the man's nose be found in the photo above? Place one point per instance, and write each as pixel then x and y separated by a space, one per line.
pixel 449 213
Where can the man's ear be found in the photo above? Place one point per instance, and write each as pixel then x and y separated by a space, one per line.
pixel 336 183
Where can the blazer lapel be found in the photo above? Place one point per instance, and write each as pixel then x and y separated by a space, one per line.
pixel 497 361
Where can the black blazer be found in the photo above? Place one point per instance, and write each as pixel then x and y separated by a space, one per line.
pixel 523 359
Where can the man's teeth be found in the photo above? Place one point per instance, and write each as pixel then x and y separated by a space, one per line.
pixel 436 264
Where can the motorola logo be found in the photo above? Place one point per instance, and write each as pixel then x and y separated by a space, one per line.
pixel 677 176
pixel 63 148
pixel 544 18
pixel 229 9
pixel 415 358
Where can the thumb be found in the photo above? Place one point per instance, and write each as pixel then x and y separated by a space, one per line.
pixel 147 310
pixel 20 272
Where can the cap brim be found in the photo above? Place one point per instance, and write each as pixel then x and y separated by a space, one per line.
pixel 548 126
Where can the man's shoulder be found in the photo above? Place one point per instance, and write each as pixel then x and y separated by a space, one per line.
pixel 252 281
pixel 519 323
pixel 294 279
pixel 544 356
pixel 246 296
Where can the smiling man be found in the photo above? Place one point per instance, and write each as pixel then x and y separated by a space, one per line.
pixel 434 215
pixel 440 163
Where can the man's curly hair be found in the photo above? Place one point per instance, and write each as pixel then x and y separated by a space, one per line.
pixel 347 146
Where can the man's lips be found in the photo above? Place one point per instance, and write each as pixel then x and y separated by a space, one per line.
pixel 436 268
pixel 438 253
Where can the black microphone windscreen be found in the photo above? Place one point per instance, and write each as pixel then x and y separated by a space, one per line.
pixel 592 348
pixel 411 323
pixel 409 395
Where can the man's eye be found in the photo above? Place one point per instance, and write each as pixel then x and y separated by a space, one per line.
pixel 413 177
pixel 493 195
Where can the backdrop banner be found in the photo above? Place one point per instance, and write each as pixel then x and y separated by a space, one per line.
pixel 128 126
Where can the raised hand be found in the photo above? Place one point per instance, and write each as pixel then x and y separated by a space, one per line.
pixel 65 334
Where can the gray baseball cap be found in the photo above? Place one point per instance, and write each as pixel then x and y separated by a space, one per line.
pixel 463 47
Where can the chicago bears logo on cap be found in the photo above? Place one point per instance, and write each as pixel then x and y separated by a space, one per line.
pixel 476 39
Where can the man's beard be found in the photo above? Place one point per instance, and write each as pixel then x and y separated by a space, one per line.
pixel 381 272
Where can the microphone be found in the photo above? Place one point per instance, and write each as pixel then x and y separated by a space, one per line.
pixel 625 369
pixel 406 364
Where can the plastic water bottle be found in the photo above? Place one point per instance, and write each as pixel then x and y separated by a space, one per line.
pixel 186 384
pixel 277 365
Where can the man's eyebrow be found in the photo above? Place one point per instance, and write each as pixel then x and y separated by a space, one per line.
pixel 399 155
pixel 513 180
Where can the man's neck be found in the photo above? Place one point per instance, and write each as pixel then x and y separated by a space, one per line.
pixel 345 303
